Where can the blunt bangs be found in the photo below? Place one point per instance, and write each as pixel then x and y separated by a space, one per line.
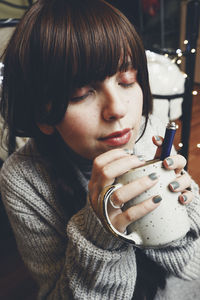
pixel 65 47
pixel 102 43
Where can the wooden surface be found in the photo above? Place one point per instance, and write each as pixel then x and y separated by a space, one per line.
pixel 194 151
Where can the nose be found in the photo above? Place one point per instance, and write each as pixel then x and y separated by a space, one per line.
pixel 114 104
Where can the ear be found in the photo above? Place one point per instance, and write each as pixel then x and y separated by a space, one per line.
pixel 46 129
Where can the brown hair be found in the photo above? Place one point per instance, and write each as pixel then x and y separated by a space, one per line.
pixel 59 46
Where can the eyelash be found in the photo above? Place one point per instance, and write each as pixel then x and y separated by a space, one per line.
pixel 127 85
pixel 76 99
pixel 81 98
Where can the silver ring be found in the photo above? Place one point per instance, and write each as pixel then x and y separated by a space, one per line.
pixel 102 212
pixel 113 205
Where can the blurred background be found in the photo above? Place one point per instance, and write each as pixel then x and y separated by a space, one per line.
pixel 170 33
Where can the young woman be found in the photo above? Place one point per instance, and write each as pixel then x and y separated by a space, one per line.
pixel 76 83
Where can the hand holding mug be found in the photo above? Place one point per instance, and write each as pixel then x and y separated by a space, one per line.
pixel 106 168
pixel 114 164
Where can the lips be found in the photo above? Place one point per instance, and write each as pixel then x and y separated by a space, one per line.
pixel 118 138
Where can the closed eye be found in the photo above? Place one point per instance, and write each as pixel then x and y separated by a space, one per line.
pixel 126 85
pixel 83 97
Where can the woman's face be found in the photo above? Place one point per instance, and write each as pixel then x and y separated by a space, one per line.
pixel 103 115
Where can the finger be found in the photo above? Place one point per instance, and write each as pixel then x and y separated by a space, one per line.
pixel 106 158
pixel 102 160
pixel 181 183
pixel 109 156
pixel 157 140
pixel 133 189
pixel 175 162
pixel 186 197
pixel 106 175
pixel 121 221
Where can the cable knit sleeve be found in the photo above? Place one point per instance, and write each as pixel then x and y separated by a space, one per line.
pixel 85 262
pixel 108 265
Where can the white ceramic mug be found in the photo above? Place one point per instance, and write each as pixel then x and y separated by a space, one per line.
pixel 169 221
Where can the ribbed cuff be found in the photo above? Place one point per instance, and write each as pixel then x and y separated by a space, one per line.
pixel 95 231
pixel 182 261
pixel 100 265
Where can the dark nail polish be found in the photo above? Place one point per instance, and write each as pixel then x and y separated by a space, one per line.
pixel 157 138
pixel 184 198
pixel 153 176
pixel 129 151
pixel 157 199
pixel 169 161
pixel 141 157
pixel 174 185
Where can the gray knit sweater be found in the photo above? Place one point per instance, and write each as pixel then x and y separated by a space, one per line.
pixel 75 258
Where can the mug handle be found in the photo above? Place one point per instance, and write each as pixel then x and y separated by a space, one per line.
pixel 103 199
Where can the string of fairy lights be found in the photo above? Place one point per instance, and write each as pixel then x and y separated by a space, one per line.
pixel 179 54
pixel 178 60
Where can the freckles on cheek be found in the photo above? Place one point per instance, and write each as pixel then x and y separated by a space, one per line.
pixel 80 125
pixel 74 124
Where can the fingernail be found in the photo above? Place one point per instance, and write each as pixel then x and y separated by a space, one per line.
pixel 174 185
pixel 169 161
pixel 129 151
pixel 153 176
pixel 141 157
pixel 157 199
pixel 157 138
pixel 183 198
